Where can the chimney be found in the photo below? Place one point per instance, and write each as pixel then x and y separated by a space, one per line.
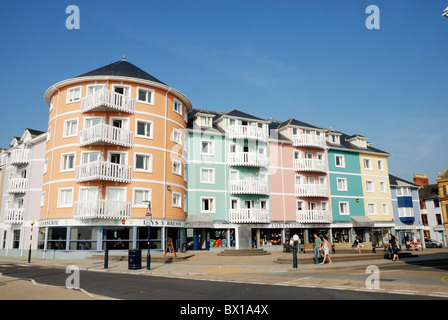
pixel 421 179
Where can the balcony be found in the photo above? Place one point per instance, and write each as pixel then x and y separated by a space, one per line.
pixel 17 185
pixel 103 134
pixel 308 140
pixel 248 187
pixel 107 100
pixel 311 190
pixel 315 165
pixel 14 215
pixel 20 156
pixel 102 209
pixel 103 171
pixel 249 159
pixel 313 216
pixel 249 216
pixel 246 132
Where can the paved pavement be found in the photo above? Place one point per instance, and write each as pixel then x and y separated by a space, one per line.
pixel 198 263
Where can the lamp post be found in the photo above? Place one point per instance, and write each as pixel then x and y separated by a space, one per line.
pixel 148 219
pixel 31 240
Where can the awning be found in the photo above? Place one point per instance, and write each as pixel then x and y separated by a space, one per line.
pixel 198 221
pixel 362 221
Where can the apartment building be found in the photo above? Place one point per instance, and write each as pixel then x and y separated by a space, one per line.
pixel 22 167
pixel 116 142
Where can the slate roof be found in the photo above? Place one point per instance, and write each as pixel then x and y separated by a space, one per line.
pixel 396 181
pixel 430 191
pixel 121 68
pixel 239 114
pixel 294 122
pixel 351 147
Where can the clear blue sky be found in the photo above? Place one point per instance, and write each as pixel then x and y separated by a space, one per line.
pixel 310 60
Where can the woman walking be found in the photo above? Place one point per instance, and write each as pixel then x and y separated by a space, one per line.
pixel 326 248
pixel 393 247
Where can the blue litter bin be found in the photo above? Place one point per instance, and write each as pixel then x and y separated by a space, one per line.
pixel 135 259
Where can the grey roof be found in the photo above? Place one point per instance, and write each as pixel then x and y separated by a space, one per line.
pixel 239 114
pixel 121 68
pixel 351 147
pixel 396 181
pixel 34 132
pixel 294 122
pixel 429 191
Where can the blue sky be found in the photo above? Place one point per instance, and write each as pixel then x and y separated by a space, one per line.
pixel 310 60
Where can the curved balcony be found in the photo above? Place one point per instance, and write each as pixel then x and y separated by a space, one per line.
pixel 315 165
pixel 308 140
pixel 246 132
pixel 17 185
pixel 20 156
pixel 249 159
pixel 311 190
pixel 103 171
pixel 102 209
pixel 107 100
pixel 104 134
pixel 248 187
pixel 313 216
pixel 249 216
pixel 14 215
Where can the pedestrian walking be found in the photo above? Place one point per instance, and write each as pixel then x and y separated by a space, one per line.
pixel 317 248
pixel 393 247
pixel 326 249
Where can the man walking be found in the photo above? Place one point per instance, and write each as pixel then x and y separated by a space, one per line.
pixel 317 245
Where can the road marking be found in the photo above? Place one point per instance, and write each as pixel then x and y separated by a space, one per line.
pixel 291 282
pixel 409 292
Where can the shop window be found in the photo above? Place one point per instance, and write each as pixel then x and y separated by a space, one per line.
pixel 56 239
pixel 83 238
pixel 117 238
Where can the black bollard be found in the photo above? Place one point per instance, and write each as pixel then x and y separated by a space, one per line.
pixel 294 257
pixel 106 258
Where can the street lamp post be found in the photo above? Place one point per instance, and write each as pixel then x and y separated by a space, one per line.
pixel 31 240
pixel 148 222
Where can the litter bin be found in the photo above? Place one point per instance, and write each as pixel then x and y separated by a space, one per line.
pixel 135 259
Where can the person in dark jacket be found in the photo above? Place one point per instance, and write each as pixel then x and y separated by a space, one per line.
pixel 393 247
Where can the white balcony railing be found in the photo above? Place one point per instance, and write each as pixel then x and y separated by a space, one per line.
pixel 308 140
pixel 14 215
pixel 105 171
pixel 104 134
pixel 313 216
pixel 249 216
pixel 248 187
pixel 310 165
pixel 107 100
pixel 102 209
pixel 311 190
pixel 246 132
pixel 250 159
pixel 20 156
pixel 17 185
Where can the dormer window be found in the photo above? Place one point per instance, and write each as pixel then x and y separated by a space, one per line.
pixel 205 121
pixel 335 139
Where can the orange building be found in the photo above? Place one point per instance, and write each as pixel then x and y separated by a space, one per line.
pixel 116 141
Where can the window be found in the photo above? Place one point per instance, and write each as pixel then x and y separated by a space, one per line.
pixel 207 175
pixel 370 186
pixel 380 165
pixel 65 198
pixel 208 205
pixel 339 161
pixel 344 208
pixel 51 103
pixel 141 196
pixel 207 147
pixel 90 156
pixel 263 204
pixel 299 205
pixel 145 129
pixel 324 205
pixel 42 199
pixel 367 163
pixel 145 95
pixel 68 162
pixel 385 209
pixel 404 212
pixel 205 121
pixel 436 203
pixel 143 162
pixel 425 219
pixel 342 184
pixel 45 165
pixel 383 186
pixel 73 94
pixel 422 204
pixel 371 209
pixel 70 128
pixel 178 106
pixel 403 192
pixel 177 200
pixel 177 167
pixel 177 136
pixel 439 218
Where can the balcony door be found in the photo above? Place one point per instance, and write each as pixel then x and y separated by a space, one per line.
pixel 88 194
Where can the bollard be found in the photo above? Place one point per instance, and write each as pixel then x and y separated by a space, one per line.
pixel 106 258
pixel 294 257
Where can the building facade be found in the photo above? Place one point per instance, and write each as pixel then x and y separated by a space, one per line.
pixel 23 166
pixel 116 142
pixel 442 184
